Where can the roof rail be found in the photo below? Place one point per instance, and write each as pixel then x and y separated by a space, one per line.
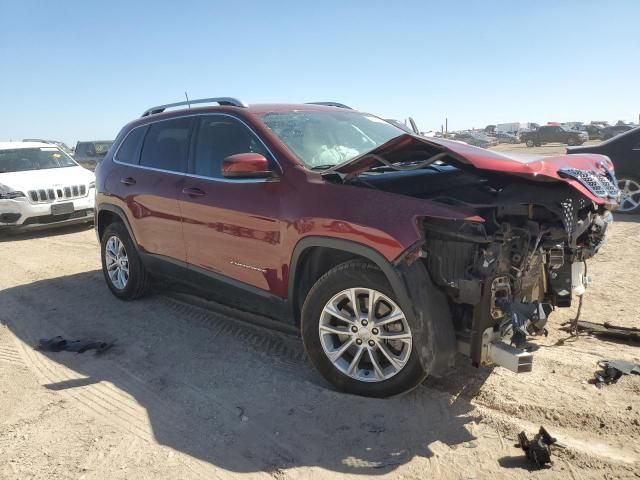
pixel 228 101
pixel 330 104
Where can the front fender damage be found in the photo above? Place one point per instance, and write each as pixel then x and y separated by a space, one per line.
pixel 428 305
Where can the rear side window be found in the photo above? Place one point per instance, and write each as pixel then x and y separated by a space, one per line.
pixel 218 137
pixel 166 145
pixel 129 151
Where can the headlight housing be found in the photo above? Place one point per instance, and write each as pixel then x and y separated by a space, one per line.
pixel 11 195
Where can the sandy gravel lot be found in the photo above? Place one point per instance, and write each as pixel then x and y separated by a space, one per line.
pixel 192 390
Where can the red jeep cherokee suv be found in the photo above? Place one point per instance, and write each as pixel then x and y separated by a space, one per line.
pixel 390 251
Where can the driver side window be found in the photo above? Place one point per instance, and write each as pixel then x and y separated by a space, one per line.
pixel 219 136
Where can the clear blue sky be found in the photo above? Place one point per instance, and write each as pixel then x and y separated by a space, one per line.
pixel 81 69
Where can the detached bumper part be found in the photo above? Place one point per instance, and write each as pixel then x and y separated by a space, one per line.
pixel 497 352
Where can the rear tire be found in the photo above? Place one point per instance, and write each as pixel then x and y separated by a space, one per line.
pixel 126 276
pixel 372 354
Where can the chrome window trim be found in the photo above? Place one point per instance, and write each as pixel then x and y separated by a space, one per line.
pixel 193 175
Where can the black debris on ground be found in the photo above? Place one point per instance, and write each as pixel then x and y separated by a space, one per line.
pixel 59 344
pixel 612 370
pixel 538 449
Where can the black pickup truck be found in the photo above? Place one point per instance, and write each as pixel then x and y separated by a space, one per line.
pixel 553 134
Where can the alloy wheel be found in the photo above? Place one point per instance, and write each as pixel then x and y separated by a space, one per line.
pixel 117 262
pixel 365 334
pixel 630 199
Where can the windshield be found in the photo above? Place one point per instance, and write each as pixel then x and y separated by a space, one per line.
pixel 324 139
pixel 24 159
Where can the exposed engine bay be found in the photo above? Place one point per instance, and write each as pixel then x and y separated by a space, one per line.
pixel 524 257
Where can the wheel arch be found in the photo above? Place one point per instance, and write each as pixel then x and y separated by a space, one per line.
pixel 108 214
pixel 314 256
pixel 410 282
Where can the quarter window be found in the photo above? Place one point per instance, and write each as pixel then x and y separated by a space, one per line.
pixel 166 145
pixel 129 151
pixel 218 137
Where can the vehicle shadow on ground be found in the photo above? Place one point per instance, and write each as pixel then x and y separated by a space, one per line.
pixel 20 236
pixel 237 396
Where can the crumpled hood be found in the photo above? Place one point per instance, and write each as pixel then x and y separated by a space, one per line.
pixel 408 147
pixel 46 178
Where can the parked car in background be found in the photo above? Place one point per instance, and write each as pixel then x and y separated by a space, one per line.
pixel 553 134
pixel 504 137
pixel 88 154
pixel 63 146
pixel 390 252
pixel 593 131
pixel 612 131
pixel 477 139
pixel 624 152
pixel 42 186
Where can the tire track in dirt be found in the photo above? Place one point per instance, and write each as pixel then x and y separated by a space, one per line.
pixel 10 355
pixel 109 403
pixel 285 349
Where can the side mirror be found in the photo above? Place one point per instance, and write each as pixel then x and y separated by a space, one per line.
pixel 246 165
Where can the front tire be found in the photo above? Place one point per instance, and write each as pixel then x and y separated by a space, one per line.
pixel 530 143
pixel 122 267
pixel 356 334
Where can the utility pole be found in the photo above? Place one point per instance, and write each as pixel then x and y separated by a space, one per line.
pixel 446 127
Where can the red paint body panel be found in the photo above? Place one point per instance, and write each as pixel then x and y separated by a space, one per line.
pixel 235 230
pixel 152 206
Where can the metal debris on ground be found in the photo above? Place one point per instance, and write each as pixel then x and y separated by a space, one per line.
pixel 609 330
pixel 58 344
pixel 612 370
pixel 537 450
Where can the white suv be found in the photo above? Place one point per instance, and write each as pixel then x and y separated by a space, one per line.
pixel 42 186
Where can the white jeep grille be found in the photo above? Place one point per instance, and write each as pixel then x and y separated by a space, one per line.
pixel 47 195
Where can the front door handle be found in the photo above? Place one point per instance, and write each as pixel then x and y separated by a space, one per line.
pixel 193 192
pixel 128 181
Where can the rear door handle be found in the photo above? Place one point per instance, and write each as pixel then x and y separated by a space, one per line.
pixel 193 192
pixel 128 181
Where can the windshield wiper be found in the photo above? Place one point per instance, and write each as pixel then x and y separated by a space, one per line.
pixel 323 167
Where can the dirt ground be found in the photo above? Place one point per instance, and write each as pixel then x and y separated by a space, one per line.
pixel 191 390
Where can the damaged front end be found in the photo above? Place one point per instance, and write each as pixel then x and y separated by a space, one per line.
pixel 522 250
pixel 504 276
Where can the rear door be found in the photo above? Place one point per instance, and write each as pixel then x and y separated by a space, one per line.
pixel 150 182
pixel 231 226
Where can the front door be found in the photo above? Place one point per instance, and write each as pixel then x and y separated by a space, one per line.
pixel 231 227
